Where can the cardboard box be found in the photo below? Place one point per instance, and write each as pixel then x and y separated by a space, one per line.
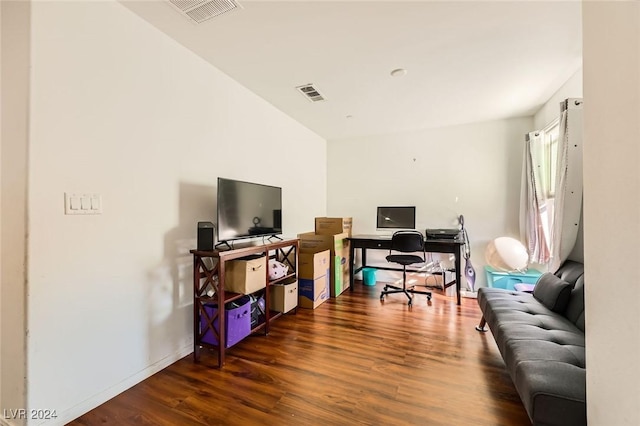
pixel 313 265
pixel 346 267
pixel 338 246
pixel 310 242
pixel 333 225
pixel 283 296
pixel 313 292
pixel 246 275
pixel 314 272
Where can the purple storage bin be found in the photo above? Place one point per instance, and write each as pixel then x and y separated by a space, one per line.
pixel 237 319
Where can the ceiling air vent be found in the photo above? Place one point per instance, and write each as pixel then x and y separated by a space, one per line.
pixel 310 93
pixel 202 10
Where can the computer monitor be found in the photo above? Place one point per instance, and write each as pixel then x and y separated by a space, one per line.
pixel 396 217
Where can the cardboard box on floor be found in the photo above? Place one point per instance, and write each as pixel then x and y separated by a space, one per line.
pixel 338 246
pixel 333 225
pixel 314 274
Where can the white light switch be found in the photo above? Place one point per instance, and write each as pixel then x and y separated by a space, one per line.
pixel 75 203
pixel 85 202
pixel 96 203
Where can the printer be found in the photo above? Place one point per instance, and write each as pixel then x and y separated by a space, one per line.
pixel 442 234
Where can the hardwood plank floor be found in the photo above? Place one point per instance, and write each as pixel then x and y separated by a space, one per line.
pixel 351 361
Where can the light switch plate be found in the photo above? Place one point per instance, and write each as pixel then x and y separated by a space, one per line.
pixel 82 203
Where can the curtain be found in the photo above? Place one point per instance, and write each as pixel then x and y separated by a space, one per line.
pixel 568 192
pixel 533 199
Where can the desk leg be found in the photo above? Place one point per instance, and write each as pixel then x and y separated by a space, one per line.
pixel 352 264
pixel 458 274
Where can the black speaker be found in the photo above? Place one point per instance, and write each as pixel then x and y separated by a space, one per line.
pixel 205 236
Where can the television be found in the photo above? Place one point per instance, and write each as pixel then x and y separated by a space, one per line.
pixel 247 209
pixel 396 218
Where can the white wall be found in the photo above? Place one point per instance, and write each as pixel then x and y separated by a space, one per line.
pixel 13 198
pixel 121 110
pixel 473 170
pixel 1 139
pixel 550 111
pixel 612 210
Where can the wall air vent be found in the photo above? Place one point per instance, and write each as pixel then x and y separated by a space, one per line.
pixel 310 92
pixel 202 10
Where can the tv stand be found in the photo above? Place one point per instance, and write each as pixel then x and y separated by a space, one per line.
pixel 274 237
pixel 209 269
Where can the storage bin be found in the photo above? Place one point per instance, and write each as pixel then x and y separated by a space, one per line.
pixel 507 280
pixel 246 275
pixel 237 322
pixel 284 296
pixel 369 276
pixel 257 310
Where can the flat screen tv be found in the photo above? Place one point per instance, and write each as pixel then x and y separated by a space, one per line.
pixel 248 210
pixel 396 218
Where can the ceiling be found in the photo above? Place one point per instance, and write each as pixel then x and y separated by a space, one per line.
pixel 465 62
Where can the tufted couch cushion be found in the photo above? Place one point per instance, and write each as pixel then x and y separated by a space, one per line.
pixel 543 345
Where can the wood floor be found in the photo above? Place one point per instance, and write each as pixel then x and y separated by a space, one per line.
pixel 351 361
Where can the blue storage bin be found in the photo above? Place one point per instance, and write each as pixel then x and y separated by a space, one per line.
pixel 507 280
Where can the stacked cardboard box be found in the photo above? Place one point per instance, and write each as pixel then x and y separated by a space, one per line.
pixel 333 225
pixel 325 237
pixel 313 278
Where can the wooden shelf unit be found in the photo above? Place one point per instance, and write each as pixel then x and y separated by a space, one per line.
pixel 209 274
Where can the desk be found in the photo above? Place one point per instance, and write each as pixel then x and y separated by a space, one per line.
pixel 383 242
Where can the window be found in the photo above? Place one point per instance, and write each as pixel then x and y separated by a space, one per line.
pixel 551 135
pixel 549 166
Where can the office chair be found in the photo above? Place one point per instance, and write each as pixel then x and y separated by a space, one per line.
pixel 405 242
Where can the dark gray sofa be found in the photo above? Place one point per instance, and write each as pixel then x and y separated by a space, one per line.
pixel 541 339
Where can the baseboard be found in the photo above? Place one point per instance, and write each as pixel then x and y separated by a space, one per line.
pixel 469 294
pixel 102 397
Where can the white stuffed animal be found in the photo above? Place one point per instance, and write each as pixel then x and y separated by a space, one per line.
pixel 277 269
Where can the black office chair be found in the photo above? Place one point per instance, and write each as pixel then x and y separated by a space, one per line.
pixel 405 242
